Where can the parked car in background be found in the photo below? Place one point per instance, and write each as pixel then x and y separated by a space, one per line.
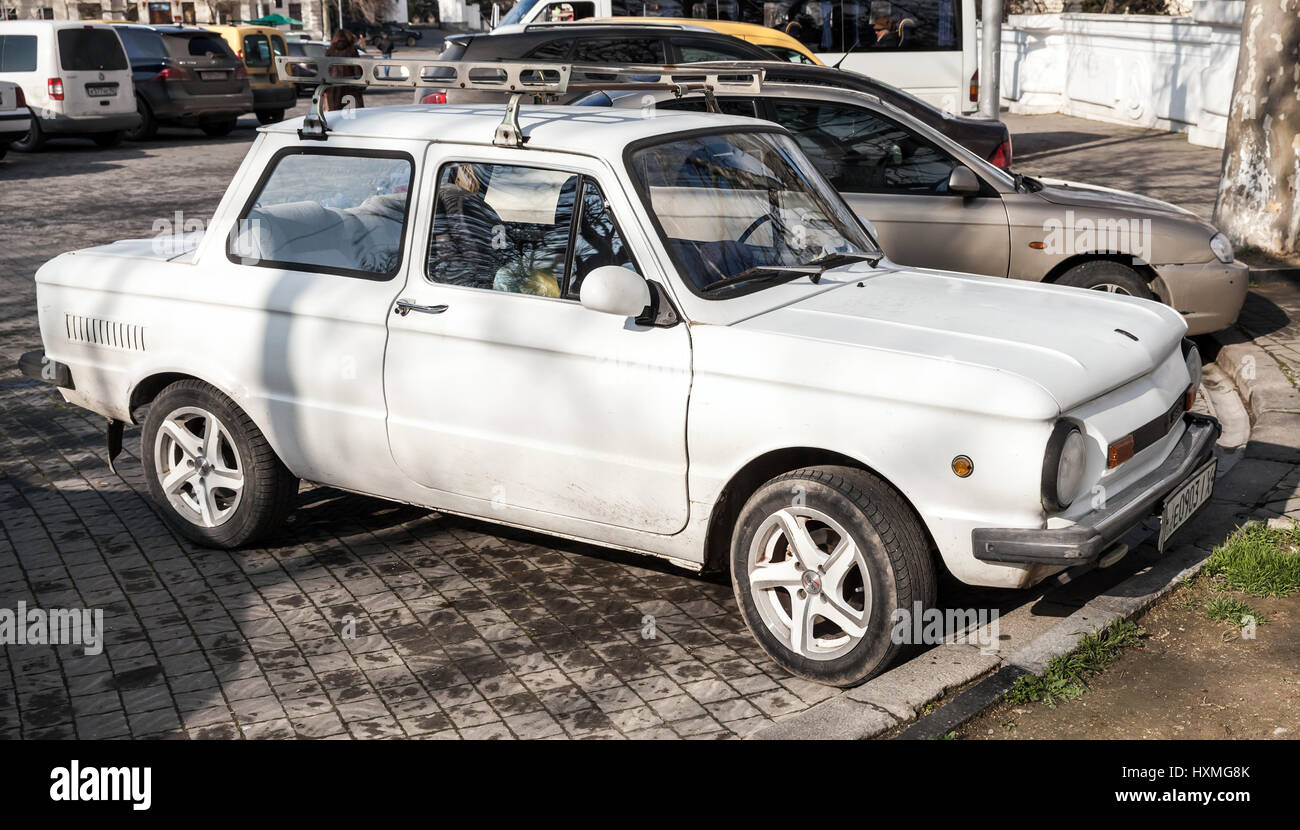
pixel 400 33
pixel 307 49
pixel 185 76
pixel 780 45
pixel 257 46
pixel 936 204
pixel 75 78
pixel 15 118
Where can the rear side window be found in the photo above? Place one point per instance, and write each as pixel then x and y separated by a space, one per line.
pixel 698 51
pixel 337 213
pixel 627 50
pixel 556 50
pixel 143 45
pixel 82 50
pixel 198 46
pixel 17 53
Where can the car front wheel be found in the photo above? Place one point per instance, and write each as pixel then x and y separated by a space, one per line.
pixel 1111 277
pixel 821 558
pixel 211 470
pixel 147 128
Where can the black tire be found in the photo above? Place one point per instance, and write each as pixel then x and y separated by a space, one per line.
pixel 108 139
pixel 33 141
pixel 218 129
pixel 892 544
pixel 268 488
pixel 148 126
pixel 411 40
pixel 270 116
pixel 4 148
pixel 1105 275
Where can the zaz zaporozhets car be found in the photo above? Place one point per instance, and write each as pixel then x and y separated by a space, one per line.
pixel 666 335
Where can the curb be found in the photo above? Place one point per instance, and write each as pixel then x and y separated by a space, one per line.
pixel 1271 401
pixel 1270 276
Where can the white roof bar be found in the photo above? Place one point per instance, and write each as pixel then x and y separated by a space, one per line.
pixel 516 78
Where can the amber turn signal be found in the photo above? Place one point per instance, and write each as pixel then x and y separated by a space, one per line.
pixel 1119 452
pixel 963 466
pixel 1189 398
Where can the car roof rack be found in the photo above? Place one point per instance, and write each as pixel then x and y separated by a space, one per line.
pixel 542 80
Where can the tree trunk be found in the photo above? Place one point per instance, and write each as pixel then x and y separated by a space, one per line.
pixel 1258 200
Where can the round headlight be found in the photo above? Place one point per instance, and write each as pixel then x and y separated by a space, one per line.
pixel 1192 356
pixel 1063 466
pixel 1222 247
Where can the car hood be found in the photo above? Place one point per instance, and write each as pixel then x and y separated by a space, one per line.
pixel 1075 194
pixel 1075 344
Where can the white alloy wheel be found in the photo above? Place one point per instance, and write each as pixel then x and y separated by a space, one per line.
pixel 198 466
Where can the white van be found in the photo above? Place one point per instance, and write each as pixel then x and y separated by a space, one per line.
pixel 75 77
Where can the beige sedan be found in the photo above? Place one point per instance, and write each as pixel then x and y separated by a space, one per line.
pixel 935 204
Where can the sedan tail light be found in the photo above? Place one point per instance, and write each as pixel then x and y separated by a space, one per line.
pixel 22 99
pixel 173 73
pixel 975 87
pixel 55 88
pixel 1002 155
pixel 434 98
pixel 240 72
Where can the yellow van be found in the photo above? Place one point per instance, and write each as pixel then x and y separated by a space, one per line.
pixel 256 47
pixel 782 46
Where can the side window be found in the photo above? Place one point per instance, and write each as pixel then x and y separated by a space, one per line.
pixel 257 50
pixel 328 212
pixel 502 228
pixel 564 12
pixel 17 53
pixel 699 51
pixel 507 228
pixel 628 50
pixel 861 152
pixel 555 50
pixel 695 103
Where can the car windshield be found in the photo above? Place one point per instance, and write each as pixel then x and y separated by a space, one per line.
pixel 745 210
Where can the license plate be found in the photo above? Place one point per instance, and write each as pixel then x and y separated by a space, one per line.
pixel 1183 502
pixel 101 90
pixel 212 76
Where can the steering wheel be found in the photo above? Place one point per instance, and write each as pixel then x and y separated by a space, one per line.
pixel 779 242
pixel 755 225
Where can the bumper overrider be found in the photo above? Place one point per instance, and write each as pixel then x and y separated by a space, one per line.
pixel 1097 531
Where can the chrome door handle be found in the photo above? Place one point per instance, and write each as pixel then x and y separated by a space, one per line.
pixel 405 307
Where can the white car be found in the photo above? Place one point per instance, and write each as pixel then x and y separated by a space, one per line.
pixel 75 76
pixel 15 118
pixel 667 335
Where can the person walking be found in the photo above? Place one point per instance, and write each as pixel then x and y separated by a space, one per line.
pixel 384 43
pixel 343 45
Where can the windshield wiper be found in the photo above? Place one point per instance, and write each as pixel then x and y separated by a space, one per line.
pixel 836 259
pixel 757 273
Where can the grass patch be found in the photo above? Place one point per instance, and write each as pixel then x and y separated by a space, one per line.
pixel 1067 675
pixel 1230 610
pixel 1258 560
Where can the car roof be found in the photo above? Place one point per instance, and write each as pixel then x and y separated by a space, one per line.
pixel 753 32
pixel 592 131
pixel 543 34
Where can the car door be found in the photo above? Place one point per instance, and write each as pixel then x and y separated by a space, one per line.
pixel 501 386
pixel 897 179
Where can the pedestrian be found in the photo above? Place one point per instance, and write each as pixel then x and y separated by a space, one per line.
pixel 384 43
pixel 343 45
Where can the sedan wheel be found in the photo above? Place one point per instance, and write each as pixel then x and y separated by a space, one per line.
pixel 1108 276
pixel 821 559
pixel 211 470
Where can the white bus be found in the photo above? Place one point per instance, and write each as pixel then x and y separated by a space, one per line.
pixel 926 47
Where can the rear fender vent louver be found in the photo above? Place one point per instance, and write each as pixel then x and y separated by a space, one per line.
pixel 82 329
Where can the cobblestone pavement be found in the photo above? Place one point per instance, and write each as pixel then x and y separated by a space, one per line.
pixel 461 629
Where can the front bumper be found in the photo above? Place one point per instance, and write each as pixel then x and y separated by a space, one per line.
pixel 1208 294
pixel 1099 530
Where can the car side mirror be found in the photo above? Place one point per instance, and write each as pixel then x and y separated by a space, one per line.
pixel 612 289
pixel 963 181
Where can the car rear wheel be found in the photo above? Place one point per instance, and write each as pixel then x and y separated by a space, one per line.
pixel 270 116
pixel 217 129
pixel 1111 277
pixel 210 469
pixel 108 139
pixel 148 127
pixel 821 558
pixel 33 141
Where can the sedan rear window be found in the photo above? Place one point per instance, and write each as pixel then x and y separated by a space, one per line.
pixel 82 50
pixel 198 46
pixel 17 53
pixel 143 45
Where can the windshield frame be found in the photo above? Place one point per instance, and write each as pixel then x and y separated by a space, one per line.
pixel 647 205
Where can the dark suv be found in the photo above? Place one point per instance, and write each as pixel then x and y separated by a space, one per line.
pixel 185 76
